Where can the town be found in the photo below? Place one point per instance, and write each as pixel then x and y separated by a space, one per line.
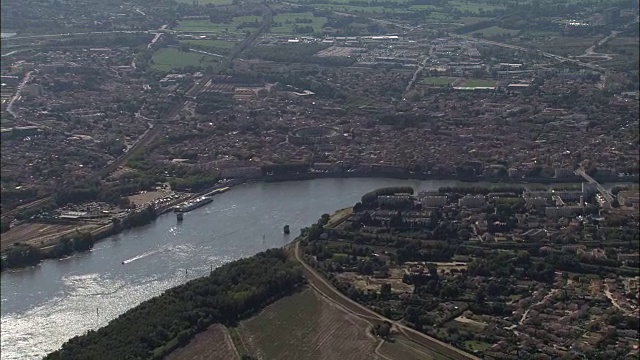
pixel 503 273
pixel 116 113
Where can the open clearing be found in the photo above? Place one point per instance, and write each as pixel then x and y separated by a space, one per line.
pixel 211 344
pixel 478 83
pixel 305 325
pixel 167 59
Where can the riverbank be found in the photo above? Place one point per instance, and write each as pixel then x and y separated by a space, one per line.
pixel 238 224
pixel 31 256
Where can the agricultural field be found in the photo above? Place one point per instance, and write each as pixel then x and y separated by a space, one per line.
pixel 402 349
pixel 494 31
pixel 297 23
pixel 473 6
pixel 238 25
pixel 305 325
pixel 438 81
pixel 167 59
pixel 212 344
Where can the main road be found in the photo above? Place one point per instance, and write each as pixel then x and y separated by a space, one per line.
pixel 605 193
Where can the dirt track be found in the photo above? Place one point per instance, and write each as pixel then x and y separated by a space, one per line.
pixel 321 285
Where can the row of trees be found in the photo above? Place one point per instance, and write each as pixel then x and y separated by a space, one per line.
pixel 159 325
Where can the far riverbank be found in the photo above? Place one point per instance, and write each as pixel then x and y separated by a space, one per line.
pixel 33 256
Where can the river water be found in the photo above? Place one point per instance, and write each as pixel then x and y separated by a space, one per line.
pixel 44 306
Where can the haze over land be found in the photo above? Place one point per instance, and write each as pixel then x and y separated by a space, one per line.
pixel 114 113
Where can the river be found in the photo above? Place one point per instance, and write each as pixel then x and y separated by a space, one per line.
pixel 44 306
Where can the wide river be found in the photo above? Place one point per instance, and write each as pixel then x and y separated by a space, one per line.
pixel 44 306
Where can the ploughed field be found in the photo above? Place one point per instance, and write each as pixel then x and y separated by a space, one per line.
pixel 307 326
pixel 211 344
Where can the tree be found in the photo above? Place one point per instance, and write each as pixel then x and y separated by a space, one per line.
pixel 385 290
pixel 480 296
pixel 396 220
pixel 385 329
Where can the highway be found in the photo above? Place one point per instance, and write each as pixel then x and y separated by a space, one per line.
pixel 24 81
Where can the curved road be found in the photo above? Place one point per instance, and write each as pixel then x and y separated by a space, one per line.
pixel 321 285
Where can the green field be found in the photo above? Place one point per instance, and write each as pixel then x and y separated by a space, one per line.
pixel 287 22
pixel 218 44
pixel 495 31
pixel 438 81
pixel 214 46
pixel 208 26
pixel 473 7
pixel 167 59
pixel 474 345
pixel 477 83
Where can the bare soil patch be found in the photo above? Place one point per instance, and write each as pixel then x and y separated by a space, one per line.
pixel 366 283
pixel 211 344
pixel 306 326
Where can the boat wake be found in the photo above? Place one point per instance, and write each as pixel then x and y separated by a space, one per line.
pixel 143 255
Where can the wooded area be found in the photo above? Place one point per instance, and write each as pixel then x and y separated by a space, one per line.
pixel 159 325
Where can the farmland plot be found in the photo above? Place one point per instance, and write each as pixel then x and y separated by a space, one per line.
pixel 212 344
pixel 307 326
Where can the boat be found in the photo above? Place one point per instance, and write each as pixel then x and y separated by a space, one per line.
pixel 180 216
pixel 286 229
pixel 219 191
pixel 193 204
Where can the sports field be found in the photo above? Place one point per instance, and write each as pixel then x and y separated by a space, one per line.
pixel 167 59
